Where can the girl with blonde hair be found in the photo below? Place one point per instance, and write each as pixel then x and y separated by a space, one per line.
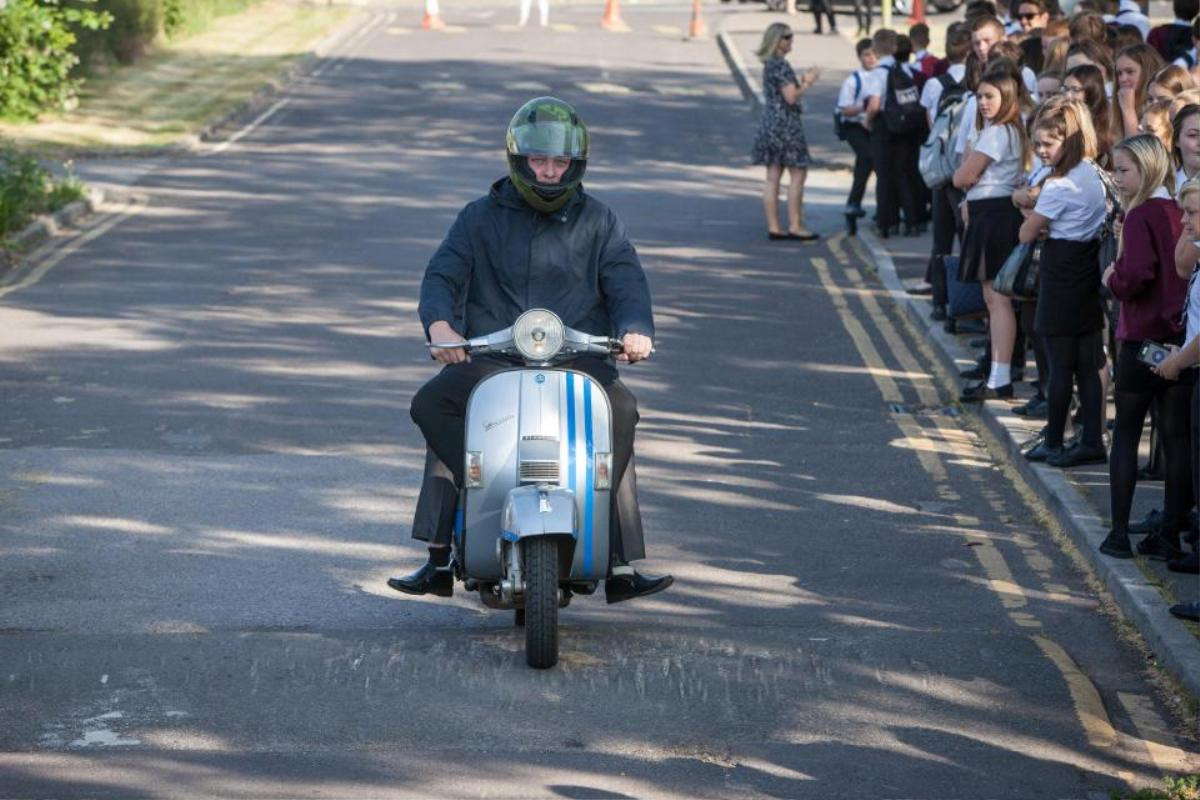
pixel 1169 82
pixel 780 143
pixel 1151 293
pixel 1069 319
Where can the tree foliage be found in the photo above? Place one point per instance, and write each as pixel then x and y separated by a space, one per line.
pixel 36 59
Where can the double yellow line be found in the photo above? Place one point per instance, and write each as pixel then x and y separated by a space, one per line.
pixel 958 444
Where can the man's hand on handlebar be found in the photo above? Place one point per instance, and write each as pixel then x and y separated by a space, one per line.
pixel 637 348
pixel 441 331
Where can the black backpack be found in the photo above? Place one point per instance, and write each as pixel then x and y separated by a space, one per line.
pixel 902 111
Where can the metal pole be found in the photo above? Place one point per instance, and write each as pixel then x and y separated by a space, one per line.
pixel 887 13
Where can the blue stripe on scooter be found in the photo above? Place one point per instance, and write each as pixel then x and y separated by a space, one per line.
pixel 589 480
pixel 571 477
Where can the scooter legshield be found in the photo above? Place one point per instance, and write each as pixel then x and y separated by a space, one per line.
pixel 538 426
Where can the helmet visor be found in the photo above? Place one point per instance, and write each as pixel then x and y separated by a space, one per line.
pixel 548 138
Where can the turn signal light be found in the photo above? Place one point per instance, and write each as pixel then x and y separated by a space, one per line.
pixel 474 469
pixel 603 471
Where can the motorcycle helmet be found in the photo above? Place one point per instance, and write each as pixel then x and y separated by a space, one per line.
pixel 546 126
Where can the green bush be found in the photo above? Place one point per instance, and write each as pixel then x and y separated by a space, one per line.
pixel 36 56
pixel 28 189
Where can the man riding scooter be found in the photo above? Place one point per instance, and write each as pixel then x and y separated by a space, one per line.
pixel 535 241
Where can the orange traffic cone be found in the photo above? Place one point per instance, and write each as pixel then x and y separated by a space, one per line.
pixel 433 18
pixel 697 29
pixel 612 16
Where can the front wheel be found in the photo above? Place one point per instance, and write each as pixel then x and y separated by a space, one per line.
pixel 541 602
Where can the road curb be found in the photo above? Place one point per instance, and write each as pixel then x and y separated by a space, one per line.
pixel 733 58
pixel 1172 644
pixel 46 226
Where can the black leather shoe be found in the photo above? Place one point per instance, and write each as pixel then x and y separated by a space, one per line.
pixel 1157 547
pixel 1042 452
pixel 1190 611
pixel 1148 523
pixel 627 587
pixel 977 372
pixel 429 579
pixel 978 392
pixel 1189 564
pixel 1078 455
pixel 1116 544
pixel 1034 409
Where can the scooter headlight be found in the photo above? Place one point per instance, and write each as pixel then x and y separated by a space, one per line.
pixel 538 335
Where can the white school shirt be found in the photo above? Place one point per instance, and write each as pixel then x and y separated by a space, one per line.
pixel 877 85
pixel 848 97
pixel 1183 62
pixel 1193 307
pixel 1074 204
pixel 931 95
pixel 972 109
pixel 1002 144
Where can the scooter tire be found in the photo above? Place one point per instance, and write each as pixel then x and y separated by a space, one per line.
pixel 541 602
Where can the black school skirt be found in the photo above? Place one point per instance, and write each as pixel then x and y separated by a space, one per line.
pixel 1069 301
pixel 992 228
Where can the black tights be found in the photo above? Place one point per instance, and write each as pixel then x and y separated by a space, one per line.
pixel 1079 357
pixel 1137 389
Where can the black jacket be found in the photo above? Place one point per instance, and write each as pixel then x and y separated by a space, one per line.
pixel 502 257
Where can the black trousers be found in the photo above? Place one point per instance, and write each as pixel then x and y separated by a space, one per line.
pixel 439 409
pixel 1077 357
pixel 860 142
pixel 819 7
pixel 947 226
pixel 1137 390
pixel 896 177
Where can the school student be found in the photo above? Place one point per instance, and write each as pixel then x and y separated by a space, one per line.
pixel 1183 361
pixel 1069 318
pixel 893 152
pixel 994 161
pixel 1175 38
pixel 1151 293
pixel 852 110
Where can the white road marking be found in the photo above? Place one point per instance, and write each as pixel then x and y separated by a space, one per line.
pixel 52 258
pixel 526 86
pixel 605 88
pixel 441 86
pixel 250 128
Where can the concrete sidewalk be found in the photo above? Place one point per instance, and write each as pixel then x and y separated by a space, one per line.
pixel 1079 498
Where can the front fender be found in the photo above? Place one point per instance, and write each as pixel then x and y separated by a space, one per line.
pixel 539 511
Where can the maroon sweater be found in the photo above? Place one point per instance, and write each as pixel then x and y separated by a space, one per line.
pixel 1145 281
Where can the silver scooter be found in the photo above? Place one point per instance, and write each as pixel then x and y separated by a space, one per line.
pixel 533 513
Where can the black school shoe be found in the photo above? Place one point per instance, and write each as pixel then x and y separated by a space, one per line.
pixel 626 587
pixel 1041 451
pixel 1189 611
pixel 1116 544
pixel 429 579
pixel 1159 548
pixel 1077 455
pixel 978 392
pixel 1034 409
pixel 1189 564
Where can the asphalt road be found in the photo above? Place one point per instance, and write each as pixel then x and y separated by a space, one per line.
pixel 207 472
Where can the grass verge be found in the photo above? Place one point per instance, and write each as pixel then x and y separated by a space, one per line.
pixel 183 85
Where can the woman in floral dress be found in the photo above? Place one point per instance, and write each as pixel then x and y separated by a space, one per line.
pixel 780 142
